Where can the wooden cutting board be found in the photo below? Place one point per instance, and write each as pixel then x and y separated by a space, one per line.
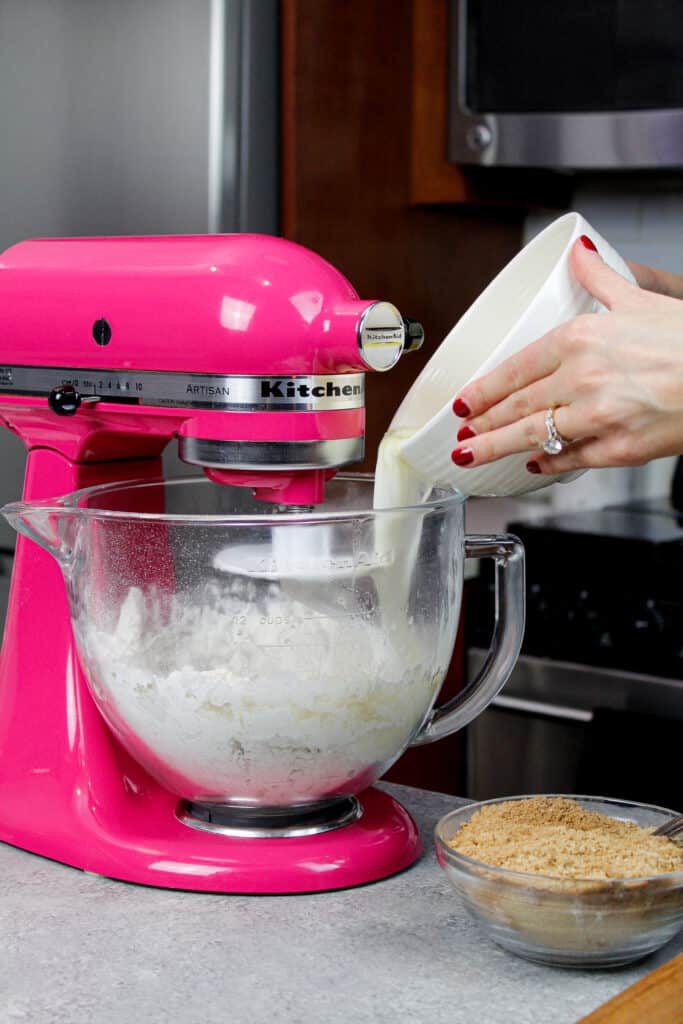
pixel 655 999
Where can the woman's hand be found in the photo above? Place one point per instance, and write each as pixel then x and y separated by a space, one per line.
pixel 614 381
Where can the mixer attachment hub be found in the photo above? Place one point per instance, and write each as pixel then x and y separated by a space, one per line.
pixel 271 822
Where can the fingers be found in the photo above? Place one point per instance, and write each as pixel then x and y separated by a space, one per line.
pixel 542 394
pixel 610 447
pixel 604 284
pixel 586 454
pixel 526 435
pixel 538 360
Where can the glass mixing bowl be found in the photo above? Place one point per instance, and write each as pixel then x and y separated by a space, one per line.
pixel 254 657
pixel 567 922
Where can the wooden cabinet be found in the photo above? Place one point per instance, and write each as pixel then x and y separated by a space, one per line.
pixel 432 178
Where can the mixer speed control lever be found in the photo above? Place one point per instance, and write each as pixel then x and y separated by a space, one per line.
pixel 66 401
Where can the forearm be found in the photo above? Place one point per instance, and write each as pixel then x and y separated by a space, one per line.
pixel 663 282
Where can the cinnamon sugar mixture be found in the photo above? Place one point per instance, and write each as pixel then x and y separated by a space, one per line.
pixel 555 836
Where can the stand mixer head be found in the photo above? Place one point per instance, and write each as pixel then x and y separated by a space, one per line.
pixel 251 352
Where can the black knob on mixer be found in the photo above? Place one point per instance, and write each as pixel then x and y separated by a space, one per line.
pixel 64 400
pixel 101 331
pixel 415 335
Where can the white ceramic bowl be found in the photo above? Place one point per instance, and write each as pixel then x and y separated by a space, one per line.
pixel 534 293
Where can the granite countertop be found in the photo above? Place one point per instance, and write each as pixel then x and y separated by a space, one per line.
pixel 81 948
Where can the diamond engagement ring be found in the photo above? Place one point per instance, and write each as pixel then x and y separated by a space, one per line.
pixel 555 442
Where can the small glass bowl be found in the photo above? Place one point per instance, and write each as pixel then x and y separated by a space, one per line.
pixel 566 922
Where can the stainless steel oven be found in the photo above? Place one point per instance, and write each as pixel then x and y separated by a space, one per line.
pixel 585 84
pixel 559 727
pixel 595 704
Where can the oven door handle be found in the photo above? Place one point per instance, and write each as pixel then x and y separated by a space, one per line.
pixel 537 707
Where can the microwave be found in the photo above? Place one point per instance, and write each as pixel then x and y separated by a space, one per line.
pixel 584 84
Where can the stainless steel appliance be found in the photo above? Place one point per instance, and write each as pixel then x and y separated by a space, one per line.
pixel 588 84
pixel 543 733
pixel 595 703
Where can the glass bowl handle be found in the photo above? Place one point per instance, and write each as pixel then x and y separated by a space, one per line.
pixel 508 630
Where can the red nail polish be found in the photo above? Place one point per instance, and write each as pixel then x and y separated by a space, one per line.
pixel 533 467
pixel 462 456
pixel 461 408
pixel 465 433
pixel 587 243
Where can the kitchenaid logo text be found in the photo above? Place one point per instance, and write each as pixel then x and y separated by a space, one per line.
pixel 384 336
pixel 293 389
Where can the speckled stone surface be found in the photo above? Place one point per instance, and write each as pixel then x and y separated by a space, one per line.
pixel 79 948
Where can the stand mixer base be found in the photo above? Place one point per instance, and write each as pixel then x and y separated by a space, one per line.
pixel 159 849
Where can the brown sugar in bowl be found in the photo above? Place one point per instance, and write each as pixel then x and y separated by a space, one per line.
pixel 542 909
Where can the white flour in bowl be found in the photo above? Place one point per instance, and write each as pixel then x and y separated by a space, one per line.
pixel 250 695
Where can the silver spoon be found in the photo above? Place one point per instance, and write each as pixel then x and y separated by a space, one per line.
pixel 672 829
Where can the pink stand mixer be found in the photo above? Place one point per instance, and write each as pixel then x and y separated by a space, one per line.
pixel 251 351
